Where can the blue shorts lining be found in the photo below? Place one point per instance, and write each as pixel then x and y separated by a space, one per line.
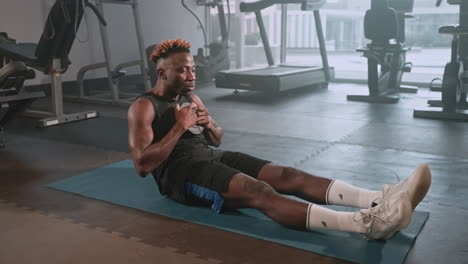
pixel 206 194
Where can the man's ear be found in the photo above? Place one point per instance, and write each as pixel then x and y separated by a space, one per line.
pixel 162 74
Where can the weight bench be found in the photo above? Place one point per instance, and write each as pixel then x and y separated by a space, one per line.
pixel 13 99
pixel 50 56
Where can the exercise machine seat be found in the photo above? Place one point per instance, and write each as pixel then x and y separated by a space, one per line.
pixel 381 24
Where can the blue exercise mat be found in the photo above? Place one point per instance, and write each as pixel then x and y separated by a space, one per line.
pixel 118 183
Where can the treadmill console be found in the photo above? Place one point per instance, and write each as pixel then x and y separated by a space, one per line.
pixel 312 5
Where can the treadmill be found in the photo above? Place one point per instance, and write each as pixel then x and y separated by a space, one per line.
pixel 281 77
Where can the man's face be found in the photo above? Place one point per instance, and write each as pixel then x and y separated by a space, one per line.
pixel 179 70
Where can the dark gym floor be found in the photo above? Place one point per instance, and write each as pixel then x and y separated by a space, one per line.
pixel 315 130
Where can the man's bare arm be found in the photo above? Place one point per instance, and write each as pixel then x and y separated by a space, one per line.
pixel 146 156
pixel 212 132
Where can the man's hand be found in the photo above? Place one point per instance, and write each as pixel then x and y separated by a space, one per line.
pixel 187 116
pixel 204 118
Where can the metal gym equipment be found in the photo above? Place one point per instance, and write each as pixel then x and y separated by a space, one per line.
pixel 454 88
pixel 383 22
pixel 50 56
pixel 13 98
pixel 115 96
pixel 218 58
pixel 281 77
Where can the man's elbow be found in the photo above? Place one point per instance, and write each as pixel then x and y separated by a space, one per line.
pixel 141 169
pixel 214 142
pixel 219 140
pixel 217 143
pixel 142 173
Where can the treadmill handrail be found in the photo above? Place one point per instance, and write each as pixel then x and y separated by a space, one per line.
pixel 262 4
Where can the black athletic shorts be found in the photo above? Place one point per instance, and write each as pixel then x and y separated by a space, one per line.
pixel 207 173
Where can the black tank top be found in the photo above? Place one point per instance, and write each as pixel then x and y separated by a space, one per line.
pixel 164 120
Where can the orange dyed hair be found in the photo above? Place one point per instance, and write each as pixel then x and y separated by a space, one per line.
pixel 167 47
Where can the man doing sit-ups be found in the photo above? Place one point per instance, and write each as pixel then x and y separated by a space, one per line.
pixel 171 135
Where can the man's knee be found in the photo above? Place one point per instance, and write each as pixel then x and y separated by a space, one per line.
pixel 292 177
pixel 249 191
pixel 257 188
pixel 259 193
pixel 288 172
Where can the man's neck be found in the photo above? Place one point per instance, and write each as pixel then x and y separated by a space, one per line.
pixel 163 91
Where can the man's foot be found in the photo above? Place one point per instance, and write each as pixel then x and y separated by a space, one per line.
pixel 417 186
pixel 385 219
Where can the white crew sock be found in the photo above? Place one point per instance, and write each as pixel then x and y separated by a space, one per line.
pixel 341 193
pixel 323 218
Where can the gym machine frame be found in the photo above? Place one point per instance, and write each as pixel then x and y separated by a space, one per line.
pixel 13 98
pixel 116 96
pixel 50 56
pixel 454 89
pixel 385 86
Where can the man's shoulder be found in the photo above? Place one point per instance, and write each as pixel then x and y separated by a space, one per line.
pixel 141 105
pixel 194 97
pixel 142 101
pixel 150 99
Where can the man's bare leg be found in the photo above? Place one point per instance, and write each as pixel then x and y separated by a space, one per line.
pixel 381 221
pixel 247 192
pixel 287 180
